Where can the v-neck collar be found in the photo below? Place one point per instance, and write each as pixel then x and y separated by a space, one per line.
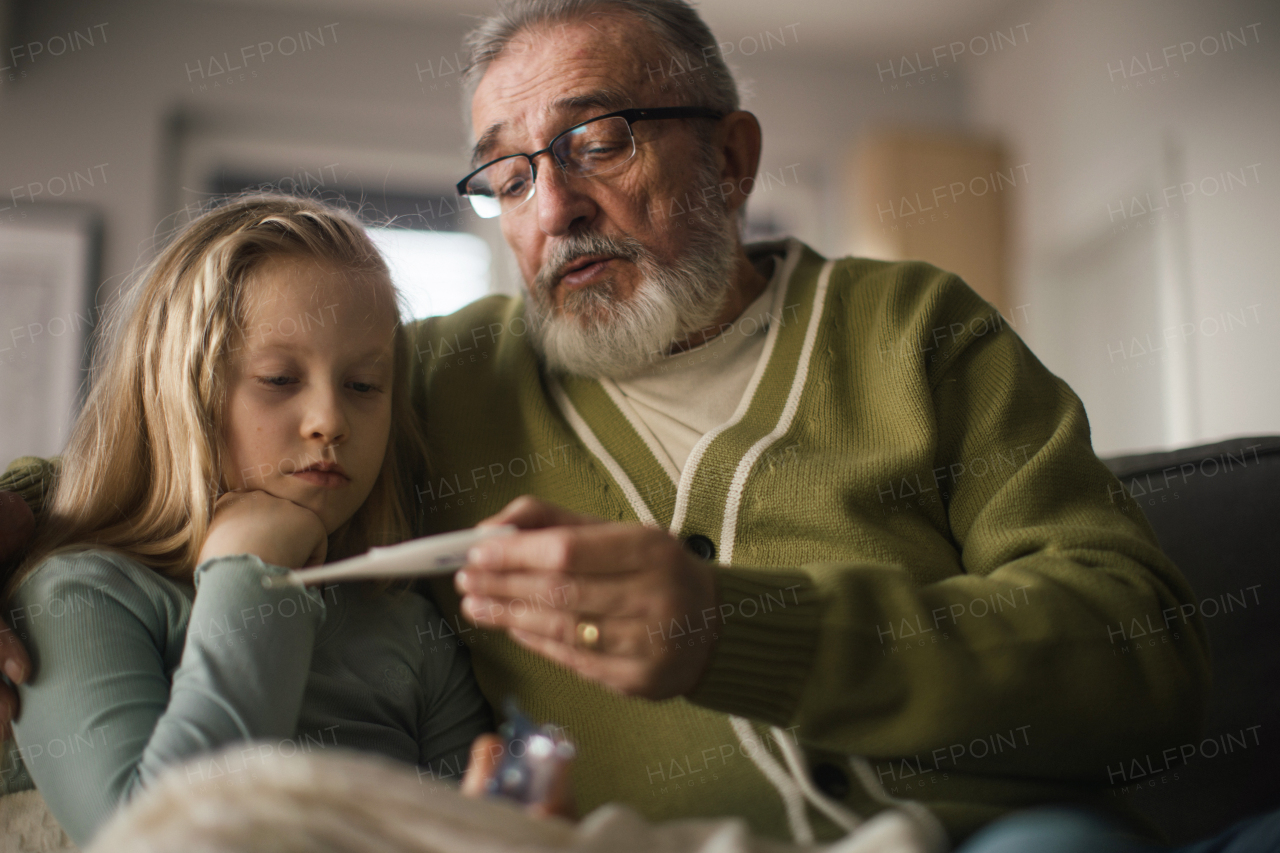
pixel 714 471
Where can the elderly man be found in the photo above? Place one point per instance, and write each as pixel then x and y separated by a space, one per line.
pixel 810 538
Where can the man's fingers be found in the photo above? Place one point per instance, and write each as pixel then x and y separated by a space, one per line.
pixel 492 613
pixel 647 596
pixel 598 549
pixel 560 799
pixel 485 752
pixel 16 524
pixel 528 513
pixel 617 595
pixel 620 637
pixel 14 660
pixel 621 674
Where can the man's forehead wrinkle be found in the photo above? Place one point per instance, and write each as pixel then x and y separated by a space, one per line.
pixel 539 85
pixel 605 98
pixel 601 94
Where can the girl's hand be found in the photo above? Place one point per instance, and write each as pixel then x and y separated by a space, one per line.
pixel 486 755
pixel 278 531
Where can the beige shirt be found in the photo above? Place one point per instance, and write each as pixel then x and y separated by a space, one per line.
pixel 682 397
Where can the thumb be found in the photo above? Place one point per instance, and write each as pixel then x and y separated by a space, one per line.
pixel 560 801
pixel 485 752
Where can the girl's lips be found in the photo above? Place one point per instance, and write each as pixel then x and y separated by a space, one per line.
pixel 323 479
pixel 589 274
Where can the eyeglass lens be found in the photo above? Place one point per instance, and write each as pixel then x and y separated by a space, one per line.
pixel 592 149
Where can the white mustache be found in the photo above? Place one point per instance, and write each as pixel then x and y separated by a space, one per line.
pixel 576 246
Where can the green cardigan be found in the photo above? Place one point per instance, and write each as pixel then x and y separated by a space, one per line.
pixel 921 561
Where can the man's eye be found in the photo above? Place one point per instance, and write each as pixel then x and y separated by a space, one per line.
pixel 513 189
pixel 276 381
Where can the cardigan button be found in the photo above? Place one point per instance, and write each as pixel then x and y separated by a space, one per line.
pixel 833 781
pixel 701 546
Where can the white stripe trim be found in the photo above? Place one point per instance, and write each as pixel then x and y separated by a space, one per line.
pixel 935 834
pixel 791 794
pixel 787 267
pixel 642 429
pixel 728 530
pixel 840 816
pixel 579 425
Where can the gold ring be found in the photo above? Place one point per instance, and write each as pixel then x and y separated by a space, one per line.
pixel 588 634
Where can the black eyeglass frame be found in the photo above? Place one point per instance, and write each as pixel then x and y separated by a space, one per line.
pixel 632 116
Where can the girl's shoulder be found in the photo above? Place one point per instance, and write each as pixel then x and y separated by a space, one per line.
pixel 98 579
pixel 97 564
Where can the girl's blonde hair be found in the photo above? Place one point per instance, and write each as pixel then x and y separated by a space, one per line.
pixel 143 467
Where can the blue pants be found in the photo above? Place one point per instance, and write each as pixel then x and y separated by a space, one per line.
pixel 1068 831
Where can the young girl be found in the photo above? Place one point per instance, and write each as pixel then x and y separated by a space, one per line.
pixel 251 415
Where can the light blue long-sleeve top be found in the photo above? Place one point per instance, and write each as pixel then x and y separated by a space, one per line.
pixel 134 672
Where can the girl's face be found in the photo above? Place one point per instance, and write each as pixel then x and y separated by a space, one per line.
pixel 309 389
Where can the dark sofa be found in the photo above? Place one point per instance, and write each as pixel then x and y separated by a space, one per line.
pixel 1216 510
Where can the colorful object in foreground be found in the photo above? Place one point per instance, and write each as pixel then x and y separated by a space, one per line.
pixel 533 759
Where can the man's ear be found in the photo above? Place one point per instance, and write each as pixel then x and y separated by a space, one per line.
pixel 740 144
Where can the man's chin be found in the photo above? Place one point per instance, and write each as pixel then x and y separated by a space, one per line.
pixel 588 306
pixel 599 344
pixel 588 318
pixel 622 322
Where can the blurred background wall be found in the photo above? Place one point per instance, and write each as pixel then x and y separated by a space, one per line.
pixel 1103 172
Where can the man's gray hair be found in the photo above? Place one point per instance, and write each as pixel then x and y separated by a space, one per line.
pixel 690 59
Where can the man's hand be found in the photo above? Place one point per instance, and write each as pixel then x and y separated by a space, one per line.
pixel 276 530
pixel 597 597
pixel 16 526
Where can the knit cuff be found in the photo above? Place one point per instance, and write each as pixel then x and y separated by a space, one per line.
pixel 770 624
pixel 239 577
pixel 32 478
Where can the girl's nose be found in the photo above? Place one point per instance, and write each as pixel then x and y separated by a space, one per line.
pixel 325 418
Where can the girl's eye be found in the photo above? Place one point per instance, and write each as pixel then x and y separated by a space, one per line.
pixel 276 381
pixel 363 387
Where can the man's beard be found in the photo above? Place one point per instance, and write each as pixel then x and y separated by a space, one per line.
pixel 597 334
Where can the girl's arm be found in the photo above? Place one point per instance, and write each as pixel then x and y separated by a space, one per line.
pixel 101 716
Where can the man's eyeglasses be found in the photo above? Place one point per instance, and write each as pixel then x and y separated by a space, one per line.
pixel 593 147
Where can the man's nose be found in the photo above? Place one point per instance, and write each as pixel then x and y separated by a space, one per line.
pixel 562 201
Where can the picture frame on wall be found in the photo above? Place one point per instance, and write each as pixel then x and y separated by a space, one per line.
pixel 49 267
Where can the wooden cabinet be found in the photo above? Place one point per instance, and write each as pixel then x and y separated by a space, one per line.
pixel 937 197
